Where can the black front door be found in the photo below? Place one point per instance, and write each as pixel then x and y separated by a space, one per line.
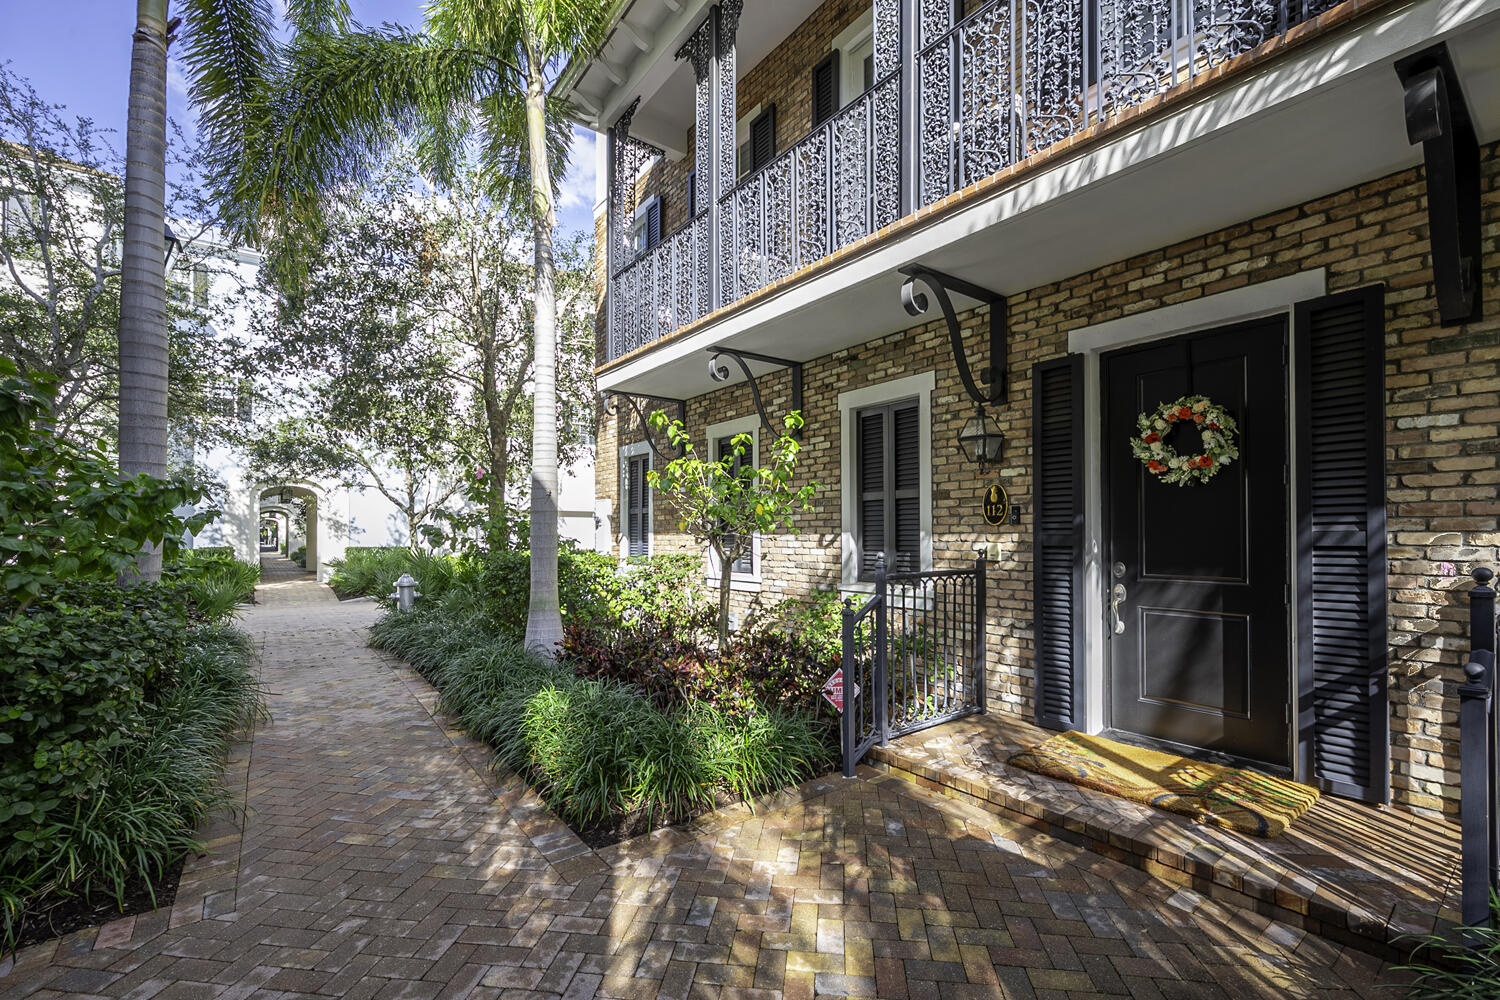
pixel 1199 647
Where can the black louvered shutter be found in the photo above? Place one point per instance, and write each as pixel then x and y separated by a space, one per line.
pixel 725 450
pixel 763 138
pixel 653 224
pixel 825 89
pixel 906 490
pixel 1344 718
pixel 870 480
pixel 1057 457
pixel 638 511
pixel 692 193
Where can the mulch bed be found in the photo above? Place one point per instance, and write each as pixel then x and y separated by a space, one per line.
pixel 63 916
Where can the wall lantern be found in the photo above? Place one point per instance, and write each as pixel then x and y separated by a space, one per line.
pixel 171 243
pixel 981 440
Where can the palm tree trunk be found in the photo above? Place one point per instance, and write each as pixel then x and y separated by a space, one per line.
pixel 544 619
pixel 143 309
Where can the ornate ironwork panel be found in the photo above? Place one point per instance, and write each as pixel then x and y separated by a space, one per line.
pixel 699 51
pixel 1222 29
pixel 702 264
pixel 749 253
pixel 780 243
pixel 887 18
pixel 812 215
pixel 727 286
pixel 1053 89
pixel 851 173
pixel 885 157
pixel 1136 51
pixel 729 20
pixel 935 122
pixel 986 101
pixel 934 17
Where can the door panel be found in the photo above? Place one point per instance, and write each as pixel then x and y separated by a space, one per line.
pixel 1204 658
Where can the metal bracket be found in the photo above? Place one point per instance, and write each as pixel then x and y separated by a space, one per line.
pixel 681 405
pixel 1438 117
pixel 915 303
pixel 721 373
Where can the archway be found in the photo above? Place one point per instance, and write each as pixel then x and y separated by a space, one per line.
pixel 297 504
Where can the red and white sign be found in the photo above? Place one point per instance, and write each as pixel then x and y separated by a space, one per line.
pixel 833 689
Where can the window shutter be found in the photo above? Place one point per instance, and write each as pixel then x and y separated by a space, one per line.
pixel 692 194
pixel 825 88
pixel 1057 454
pixel 906 471
pixel 870 478
pixel 763 138
pixel 653 224
pixel 638 513
pixel 725 449
pixel 1344 718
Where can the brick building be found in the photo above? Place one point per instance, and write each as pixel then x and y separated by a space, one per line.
pixel 1127 203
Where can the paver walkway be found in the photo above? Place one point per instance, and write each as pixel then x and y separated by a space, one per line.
pixel 379 858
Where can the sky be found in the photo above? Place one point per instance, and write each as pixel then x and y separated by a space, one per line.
pixel 77 53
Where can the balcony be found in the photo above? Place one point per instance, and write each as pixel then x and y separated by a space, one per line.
pixel 1002 85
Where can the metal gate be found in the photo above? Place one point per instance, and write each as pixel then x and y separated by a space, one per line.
pixel 913 656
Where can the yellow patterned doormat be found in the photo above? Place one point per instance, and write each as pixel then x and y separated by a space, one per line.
pixel 1210 793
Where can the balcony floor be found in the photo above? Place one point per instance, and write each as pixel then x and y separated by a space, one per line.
pixel 1360 874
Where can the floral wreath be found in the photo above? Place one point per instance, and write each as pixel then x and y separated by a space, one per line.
pixel 1151 442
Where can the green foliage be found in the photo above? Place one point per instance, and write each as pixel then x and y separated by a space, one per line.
pixel 597 750
pixel 372 571
pixel 217 581
pixel 299 556
pixel 65 511
pixel 118 705
pixel 725 503
pixel 1446 969
pixel 593 593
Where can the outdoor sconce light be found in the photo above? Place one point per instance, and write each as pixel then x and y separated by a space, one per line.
pixel 981 440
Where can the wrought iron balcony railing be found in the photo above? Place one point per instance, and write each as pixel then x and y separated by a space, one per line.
pixel 1002 84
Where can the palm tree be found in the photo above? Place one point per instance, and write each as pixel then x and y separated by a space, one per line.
pixel 229 48
pixel 474 81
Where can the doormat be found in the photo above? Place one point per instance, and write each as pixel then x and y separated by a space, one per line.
pixel 1210 793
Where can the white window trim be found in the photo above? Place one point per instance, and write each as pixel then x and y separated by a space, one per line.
pixel 627 452
pixel 742 139
pixel 920 386
pixel 852 72
pixel 745 582
pixel 638 223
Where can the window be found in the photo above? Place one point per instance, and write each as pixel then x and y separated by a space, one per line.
pixel 635 501
pixel 645 232
pixel 739 464
pixel 855 65
pixel 888 526
pixel 757 140
pixel 886 476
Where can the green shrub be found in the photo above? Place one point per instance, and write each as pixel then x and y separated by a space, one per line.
pixel 595 749
pixel 1446 968
pixel 368 572
pixel 299 556
pixel 216 580
pixel 119 755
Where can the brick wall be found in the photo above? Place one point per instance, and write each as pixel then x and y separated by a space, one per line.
pixel 1443 455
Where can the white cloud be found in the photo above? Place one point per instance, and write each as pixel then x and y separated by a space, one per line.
pixel 576 191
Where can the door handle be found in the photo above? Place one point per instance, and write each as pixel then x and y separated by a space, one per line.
pixel 1116 596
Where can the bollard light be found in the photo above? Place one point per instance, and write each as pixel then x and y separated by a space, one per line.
pixel 405 594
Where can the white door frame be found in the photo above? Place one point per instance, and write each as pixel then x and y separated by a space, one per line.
pixel 1268 298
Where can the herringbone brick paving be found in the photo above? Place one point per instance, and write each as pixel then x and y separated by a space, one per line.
pixel 379 858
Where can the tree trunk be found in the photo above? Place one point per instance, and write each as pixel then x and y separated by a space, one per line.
pixel 724 588
pixel 143 309
pixel 544 619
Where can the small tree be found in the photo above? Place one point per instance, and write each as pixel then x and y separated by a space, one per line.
pixel 725 503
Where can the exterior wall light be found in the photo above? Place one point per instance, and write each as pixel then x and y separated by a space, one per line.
pixel 981 440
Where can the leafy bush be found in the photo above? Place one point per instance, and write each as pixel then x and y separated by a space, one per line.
pixel 596 749
pixel 217 581
pixel 299 556
pixel 120 753
pixel 368 571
